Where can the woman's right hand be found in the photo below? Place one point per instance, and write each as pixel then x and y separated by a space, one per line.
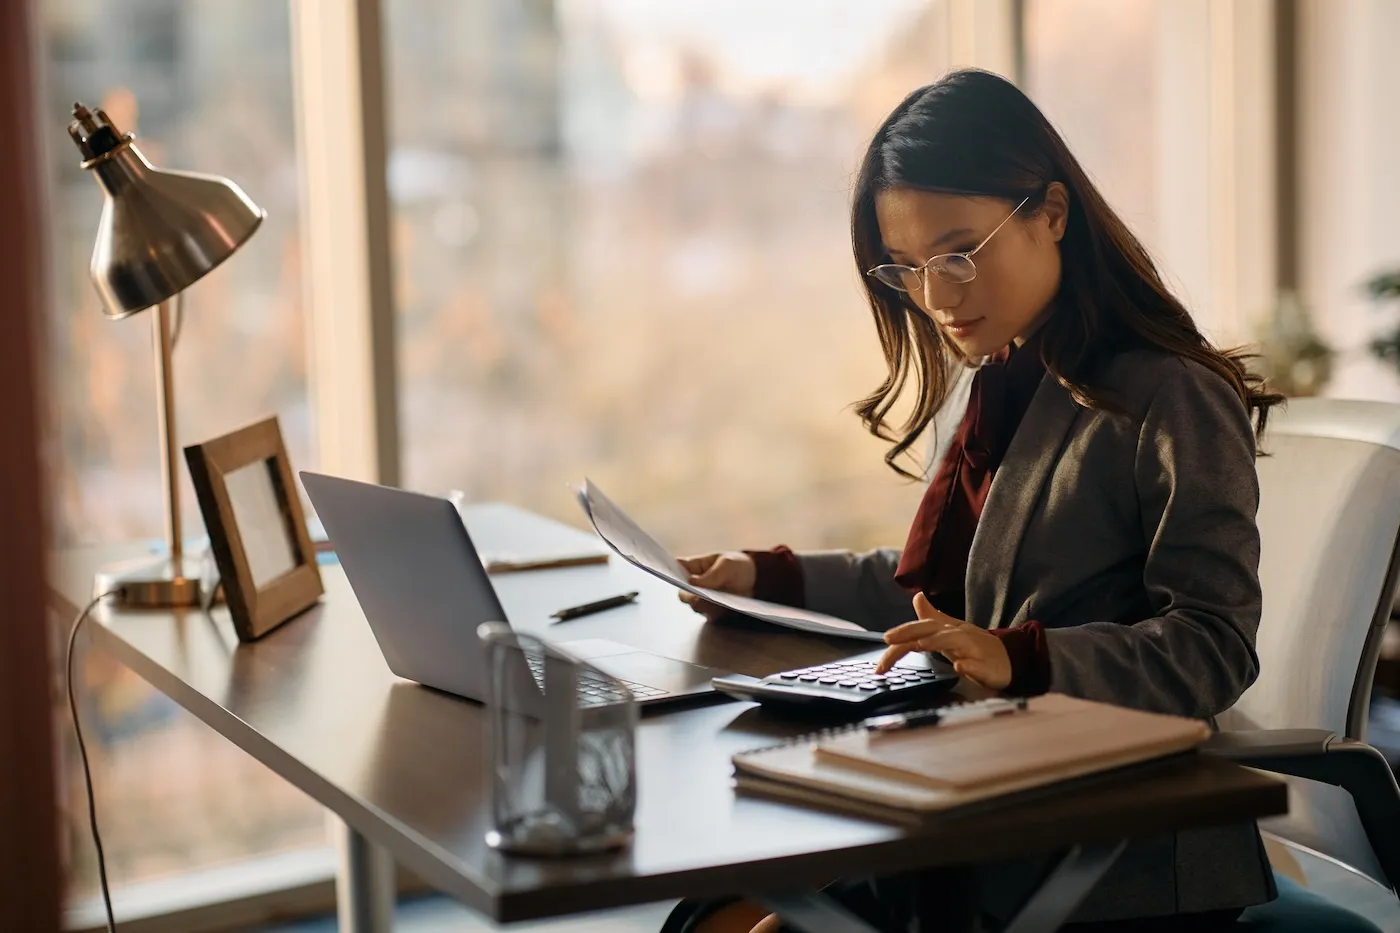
pixel 729 572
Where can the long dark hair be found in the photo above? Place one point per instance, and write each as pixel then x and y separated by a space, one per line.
pixel 974 133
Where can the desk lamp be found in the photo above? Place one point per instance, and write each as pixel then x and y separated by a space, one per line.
pixel 160 232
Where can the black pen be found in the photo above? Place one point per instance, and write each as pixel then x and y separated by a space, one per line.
pixel 612 602
pixel 962 712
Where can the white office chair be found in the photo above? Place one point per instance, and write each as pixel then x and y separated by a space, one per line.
pixel 1329 520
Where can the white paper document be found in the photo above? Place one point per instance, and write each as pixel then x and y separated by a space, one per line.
pixel 642 550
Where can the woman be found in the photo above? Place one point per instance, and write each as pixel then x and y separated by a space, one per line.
pixel 1091 527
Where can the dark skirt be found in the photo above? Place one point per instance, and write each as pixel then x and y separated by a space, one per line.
pixel 927 901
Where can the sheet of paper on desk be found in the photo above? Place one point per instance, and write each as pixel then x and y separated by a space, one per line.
pixel 639 548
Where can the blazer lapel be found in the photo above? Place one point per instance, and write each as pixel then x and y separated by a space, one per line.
pixel 1011 501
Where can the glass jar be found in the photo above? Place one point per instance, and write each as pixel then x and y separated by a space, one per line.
pixel 562 749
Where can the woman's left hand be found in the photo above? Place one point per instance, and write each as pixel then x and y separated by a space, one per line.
pixel 974 653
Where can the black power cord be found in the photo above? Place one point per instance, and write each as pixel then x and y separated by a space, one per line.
pixel 82 752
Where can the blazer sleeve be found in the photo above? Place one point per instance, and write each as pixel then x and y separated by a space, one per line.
pixel 1198 495
pixel 858 587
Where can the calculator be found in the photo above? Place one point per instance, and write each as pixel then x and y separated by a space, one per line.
pixel 851 684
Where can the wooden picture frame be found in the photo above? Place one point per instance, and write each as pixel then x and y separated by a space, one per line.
pixel 246 492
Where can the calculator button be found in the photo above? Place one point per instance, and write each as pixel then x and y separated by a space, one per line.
pixel 810 678
pixel 829 680
pixel 867 685
pixel 789 675
pixel 849 683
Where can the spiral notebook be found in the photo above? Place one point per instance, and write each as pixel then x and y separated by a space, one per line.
pixel 935 768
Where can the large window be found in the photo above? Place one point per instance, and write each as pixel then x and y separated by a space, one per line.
pixel 206 86
pixel 1101 95
pixel 1170 106
pixel 622 249
pixel 1350 191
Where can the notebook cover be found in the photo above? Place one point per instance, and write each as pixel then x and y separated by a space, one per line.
pixel 1057 736
pixel 942 767
pixel 898 813
pixel 753 785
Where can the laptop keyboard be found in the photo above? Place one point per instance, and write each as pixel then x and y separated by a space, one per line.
pixel 594 690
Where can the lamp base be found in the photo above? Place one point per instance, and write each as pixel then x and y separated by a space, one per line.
pixel 150 585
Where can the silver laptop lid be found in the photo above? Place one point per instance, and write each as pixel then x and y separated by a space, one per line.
pixel 417 576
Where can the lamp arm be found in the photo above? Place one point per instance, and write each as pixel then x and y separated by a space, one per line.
pixel 162 337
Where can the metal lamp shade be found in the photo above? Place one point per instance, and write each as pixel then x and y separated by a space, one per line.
pixel 161 231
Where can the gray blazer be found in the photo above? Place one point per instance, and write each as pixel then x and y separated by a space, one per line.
pixel 1132 540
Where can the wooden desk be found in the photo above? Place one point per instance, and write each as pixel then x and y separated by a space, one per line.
pixel 403 765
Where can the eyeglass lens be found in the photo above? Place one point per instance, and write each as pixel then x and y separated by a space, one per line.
pixel 953 268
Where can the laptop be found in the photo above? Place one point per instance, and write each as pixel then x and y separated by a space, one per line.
pixel 424 591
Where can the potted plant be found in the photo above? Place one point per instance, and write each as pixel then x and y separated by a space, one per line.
pixel 1385 288
pixel 1293 357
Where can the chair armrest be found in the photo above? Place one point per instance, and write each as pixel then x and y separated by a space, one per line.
pixel 1249 746
pixel 1319 755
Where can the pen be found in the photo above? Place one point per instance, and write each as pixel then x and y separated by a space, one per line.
pixel 965 712
pixel 612 602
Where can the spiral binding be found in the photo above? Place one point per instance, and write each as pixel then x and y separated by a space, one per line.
pixel 832 732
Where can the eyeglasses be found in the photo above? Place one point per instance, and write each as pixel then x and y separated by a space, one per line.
pixel 957 268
